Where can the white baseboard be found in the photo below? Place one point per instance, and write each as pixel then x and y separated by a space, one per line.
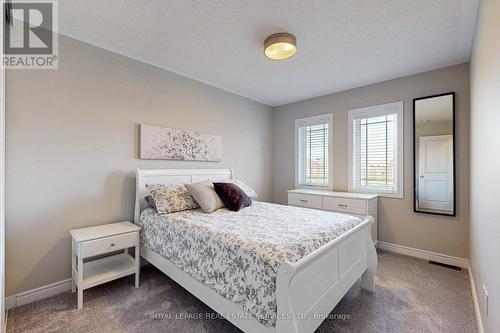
pixel 422 254
pixel 37 294
pixel 42 292
pixel 475 300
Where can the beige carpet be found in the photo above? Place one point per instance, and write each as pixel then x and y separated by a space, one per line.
pixel 412 296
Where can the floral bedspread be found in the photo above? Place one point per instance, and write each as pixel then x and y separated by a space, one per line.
pixel 238 254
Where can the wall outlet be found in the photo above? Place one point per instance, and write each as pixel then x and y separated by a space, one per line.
pixel 486 300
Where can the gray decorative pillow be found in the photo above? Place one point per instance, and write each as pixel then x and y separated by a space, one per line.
pixel 150 201
pixel 204 194
pixel 171 198
pixel 244 187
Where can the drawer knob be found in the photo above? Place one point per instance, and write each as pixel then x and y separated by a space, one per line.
pixel 343 205
pixel 112 244
pixel 303 201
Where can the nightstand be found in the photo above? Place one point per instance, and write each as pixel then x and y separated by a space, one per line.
pixel 101 240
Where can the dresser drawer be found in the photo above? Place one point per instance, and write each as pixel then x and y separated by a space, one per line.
pixel 108 244
pixel 305 200
pixel 352 206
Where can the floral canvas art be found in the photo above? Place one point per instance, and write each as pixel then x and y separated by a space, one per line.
pixel 165 143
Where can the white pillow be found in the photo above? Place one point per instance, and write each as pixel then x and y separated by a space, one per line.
pixel 204 194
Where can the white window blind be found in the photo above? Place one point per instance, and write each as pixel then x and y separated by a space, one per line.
pixel 375 149
pixel 313 150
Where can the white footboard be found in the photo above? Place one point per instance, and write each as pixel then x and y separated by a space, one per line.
pixel 307 291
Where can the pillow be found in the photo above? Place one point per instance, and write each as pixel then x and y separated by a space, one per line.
pixel 171 198
pixel 204 194
pixel 233 197
pixel 247 189
pixel 150 201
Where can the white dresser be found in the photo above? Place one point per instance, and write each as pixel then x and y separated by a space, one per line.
pixel 357 204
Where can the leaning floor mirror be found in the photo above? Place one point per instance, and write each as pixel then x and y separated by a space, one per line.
pixel 434 154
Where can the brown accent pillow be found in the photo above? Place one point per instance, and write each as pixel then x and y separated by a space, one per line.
pixel 232 196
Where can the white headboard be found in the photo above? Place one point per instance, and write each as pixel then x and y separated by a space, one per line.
pixel 172 176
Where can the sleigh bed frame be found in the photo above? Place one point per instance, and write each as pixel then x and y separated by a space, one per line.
pixel 306 291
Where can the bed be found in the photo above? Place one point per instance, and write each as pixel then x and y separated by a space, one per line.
pixel 267 268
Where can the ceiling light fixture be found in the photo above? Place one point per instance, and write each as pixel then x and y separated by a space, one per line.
pixel 280 46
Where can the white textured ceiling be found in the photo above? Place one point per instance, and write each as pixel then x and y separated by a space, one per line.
pixel 342 44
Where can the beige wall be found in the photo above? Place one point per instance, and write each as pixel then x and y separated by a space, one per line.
pixel 397 222
pixel 72 145
pixel 485 161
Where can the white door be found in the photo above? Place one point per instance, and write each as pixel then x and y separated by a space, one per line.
pixel 435 178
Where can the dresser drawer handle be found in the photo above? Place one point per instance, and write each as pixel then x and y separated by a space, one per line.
pixel 343 205
pixel 113 244
pixel 303 200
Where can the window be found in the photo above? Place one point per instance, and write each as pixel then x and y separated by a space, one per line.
pixel 313 138
pixel 376 149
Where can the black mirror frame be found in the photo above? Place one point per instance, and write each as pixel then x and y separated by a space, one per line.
pixel 454 213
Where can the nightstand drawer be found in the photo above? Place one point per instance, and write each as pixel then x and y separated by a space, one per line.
pixel 353 206
pixel 108 244
pixel 305 200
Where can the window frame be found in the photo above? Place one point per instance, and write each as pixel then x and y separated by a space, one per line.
pixel 313 119
pixel 374 111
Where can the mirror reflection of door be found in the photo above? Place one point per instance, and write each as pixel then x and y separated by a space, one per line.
pixel 435 176
pixel 434 154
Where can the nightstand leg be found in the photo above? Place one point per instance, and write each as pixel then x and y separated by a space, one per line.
pixel 73 261
pixel 137 266
pixel 80 283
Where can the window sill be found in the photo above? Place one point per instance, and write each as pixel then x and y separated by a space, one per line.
pixel 380 194
pixel 313 187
